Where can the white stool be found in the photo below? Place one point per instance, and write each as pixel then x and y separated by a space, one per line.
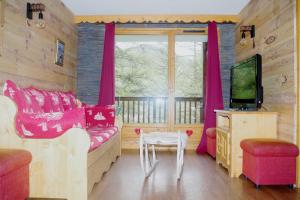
pixel 163 139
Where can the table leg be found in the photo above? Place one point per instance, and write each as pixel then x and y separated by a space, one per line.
pixel 147 158
pixel 149 165
pixel 142 159
pixel 153 154
pixel 180 156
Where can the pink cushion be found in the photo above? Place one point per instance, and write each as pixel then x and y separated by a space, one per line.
pixel 49 125
pixel 269 147
pixel 56 101
pixel 211 132
pixel 31 102
pixel 41 113
pixel 25 101
pixel 48 114
pixel 14 93
pixel 38 96
pixel 72 98
pixel 48 102
pixel 100 135
pixel 103 116
pixel 68 100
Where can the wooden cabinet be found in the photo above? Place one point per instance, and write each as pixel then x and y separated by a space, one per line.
pixel 223 151
pixel 233 127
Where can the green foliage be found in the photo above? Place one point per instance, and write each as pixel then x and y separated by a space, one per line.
pixel 189 72
pixel 244 81
pixel 142 70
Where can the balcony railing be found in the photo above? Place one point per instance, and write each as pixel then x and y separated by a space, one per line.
pixel 154 110
pixel 188 110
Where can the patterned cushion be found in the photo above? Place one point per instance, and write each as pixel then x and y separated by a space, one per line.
pixel 72 98
pixel 41 113
pixel 68 100
pixel 37 95
pixel 56 101
pixel 100 135
pixel 49 125
pixel 103 116
pixel 48 102
pixel 23 98
pixel 48 114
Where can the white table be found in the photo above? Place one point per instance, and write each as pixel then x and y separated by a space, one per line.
pixel 178 140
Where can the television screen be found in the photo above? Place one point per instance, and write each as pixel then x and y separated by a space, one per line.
pixel 246 84
pixel 244 81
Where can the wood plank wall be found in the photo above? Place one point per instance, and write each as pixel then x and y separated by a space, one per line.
pixel 298 86
pixel 27 53
pixel 275 41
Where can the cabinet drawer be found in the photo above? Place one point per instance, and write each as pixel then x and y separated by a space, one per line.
pixel 223 122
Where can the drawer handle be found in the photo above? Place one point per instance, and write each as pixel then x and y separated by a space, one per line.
pixel 225 116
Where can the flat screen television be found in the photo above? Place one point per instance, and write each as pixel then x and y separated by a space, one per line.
pixel 246 91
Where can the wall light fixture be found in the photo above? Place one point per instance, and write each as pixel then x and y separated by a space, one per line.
pixel 36 8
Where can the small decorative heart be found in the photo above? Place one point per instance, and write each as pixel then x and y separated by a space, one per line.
pixel 189 132
pixel 137 131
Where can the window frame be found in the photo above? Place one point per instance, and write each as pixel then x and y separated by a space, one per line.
pixel 170 33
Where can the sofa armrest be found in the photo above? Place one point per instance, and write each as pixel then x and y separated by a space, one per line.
pixel 8 111
pixel 59 165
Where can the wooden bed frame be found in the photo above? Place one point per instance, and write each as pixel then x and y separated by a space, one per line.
pixel 61 167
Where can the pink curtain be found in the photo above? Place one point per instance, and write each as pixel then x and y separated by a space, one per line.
pixel 213 85
pixel 107 84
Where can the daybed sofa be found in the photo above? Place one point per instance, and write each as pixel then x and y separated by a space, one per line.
pixel 71 146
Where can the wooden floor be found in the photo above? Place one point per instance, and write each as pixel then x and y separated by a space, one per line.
pixel 202 179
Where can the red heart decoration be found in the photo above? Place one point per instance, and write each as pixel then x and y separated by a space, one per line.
pixel 137 131
pixel 189 132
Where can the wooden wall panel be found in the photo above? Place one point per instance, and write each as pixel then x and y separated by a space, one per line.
pixel 27 53
pixel 274 19
pixel 298 86
pixel 130 140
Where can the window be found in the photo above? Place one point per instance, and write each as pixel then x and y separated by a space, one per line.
pixel 189 59
pixel 142 65
pixel 159 76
